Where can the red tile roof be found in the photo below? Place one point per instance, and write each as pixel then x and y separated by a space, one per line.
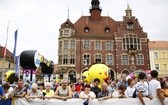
pixel 96 28
pixel 158 45
pixel 67 24
pixel 8 54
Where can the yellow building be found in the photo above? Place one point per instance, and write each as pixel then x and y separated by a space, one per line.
pixel 158 51
pixel 8 63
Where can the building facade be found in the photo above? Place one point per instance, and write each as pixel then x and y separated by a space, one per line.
pixel 158 51
pixel 7 63
pixel 121 45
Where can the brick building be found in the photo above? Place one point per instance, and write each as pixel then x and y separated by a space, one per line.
pixel 121 45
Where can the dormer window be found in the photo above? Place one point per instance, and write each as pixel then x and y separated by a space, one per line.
pixel 107 30
pixel 130 25
pixel 66 24
pixel 86 29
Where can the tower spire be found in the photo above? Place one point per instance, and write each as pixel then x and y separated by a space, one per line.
pixel 68 12
pixel 95 10
pixel 128 11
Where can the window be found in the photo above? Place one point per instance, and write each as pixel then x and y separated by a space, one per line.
pixel 140 59
pixel 157 66
pixel 109 59
pixel 65 44
pixel 86 59
pixel 155 55
pixel 65 59
pixel 131 41
pixel 124 59
pixel 109 45
pixel 66 32
pixel 86 45
pixel 60 45
pixel 60 59
pixel 107 30
pixel 164 66
pixel 72 59
pixel 163 55
pixel 86 29
pixel 72 44
pixel 98 45
pixel 9 66
pixel 98 58
pixel 61 33
pixel 130 25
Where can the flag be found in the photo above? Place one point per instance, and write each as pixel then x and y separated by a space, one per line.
pixel 17 63
pixel 14 50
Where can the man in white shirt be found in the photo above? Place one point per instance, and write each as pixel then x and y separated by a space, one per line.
pixel 155 87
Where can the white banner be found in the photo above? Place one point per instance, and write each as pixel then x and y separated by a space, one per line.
pixel 127 101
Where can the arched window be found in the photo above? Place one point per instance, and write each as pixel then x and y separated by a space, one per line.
pixel 126 72
pixel 131 41
pixel 124 59
pixel 130 25
pixel 98 58
pixel 109 59
pixel 86 29
pixel 86 59
pixel 107 30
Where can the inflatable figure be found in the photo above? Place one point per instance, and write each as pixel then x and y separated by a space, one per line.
pixel 31 59
pixel 85 76
pixel 100 71
pixel 8 73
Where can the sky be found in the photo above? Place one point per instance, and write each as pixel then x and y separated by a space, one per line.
pixel 38 21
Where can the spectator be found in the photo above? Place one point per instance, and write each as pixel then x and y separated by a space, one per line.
pixel 123 81
pixel 7 89
pixel 164 89
pixel 87 94
pixel 104 94
pixel 48 93
pixel 41 86
pixel 2 94
pixel 119 93
pixel 75 94
pixel 34 92
pixel 95 87
pixel 141 89
pixel 112 87
pixel 130 89
pixel 63 92
pixel 79 85
pixel 155 87
pixel 19 91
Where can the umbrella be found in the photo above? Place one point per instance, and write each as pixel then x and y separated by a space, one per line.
pixel 135 74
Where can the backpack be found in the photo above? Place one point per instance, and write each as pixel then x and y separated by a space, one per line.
pixel 134 94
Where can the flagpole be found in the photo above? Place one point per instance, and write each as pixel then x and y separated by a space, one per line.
pixel 3 64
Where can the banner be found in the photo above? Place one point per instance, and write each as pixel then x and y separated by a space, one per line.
pixel 14 50
pixel 126 101
pixel 6 102
pixel 17 69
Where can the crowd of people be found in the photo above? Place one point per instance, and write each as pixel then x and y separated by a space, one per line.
pixel 145 86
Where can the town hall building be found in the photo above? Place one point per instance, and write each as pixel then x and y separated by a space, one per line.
pixel 121 45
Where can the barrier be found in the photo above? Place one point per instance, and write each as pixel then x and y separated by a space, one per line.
pixel 6 102
pixel 126 101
